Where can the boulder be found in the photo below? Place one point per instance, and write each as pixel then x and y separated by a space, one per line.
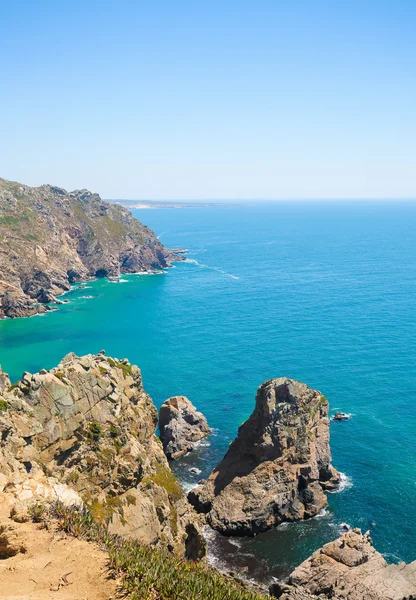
pixel 181 425
pixel 278 466
pixel 349 567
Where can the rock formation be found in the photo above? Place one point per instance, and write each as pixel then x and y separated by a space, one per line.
pixel 181 425
pixel 349 568
pixel 51 238
pixel 278 466
pixel 85 432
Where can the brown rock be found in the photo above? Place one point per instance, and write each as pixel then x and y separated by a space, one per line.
pixel 277 467
pixel 350 568
pixel 87 429
pixel 181 425
pixel 52 238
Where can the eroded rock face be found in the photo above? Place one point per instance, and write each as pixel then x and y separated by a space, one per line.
pixel 52 238
pixel 181 425
pixel 349 568
pixel 278 466
pixel 87 427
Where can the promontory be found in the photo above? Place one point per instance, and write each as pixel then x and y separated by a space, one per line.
pixel 51 238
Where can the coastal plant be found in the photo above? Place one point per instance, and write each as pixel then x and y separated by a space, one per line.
pixel 3 405
pixel 147 572
pixel 95 431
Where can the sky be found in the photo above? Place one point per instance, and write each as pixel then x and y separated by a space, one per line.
pixel 229 99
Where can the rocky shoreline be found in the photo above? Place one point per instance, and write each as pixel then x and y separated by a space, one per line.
pixel 51 238
pixel 83 434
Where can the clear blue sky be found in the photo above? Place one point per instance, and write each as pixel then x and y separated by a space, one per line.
pixel 210 99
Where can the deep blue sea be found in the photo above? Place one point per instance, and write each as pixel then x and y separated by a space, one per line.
pixel 320 292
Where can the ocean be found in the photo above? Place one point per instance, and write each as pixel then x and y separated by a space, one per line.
pixel 320 292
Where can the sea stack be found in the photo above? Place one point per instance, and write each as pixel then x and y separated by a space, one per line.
pixel 181 425
pixel 278 466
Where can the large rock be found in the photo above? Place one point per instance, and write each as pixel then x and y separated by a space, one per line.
pixel 87 427
pixel 349 568
pixel 181 425
pixel 278 466
pixel 51 238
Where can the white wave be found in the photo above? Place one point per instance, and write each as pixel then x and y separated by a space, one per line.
pixel 202 444
pixel 118 281
pixel 187 486
pixel 195 470
pixel 345 484
pixel 87 297
pixel 322 513
pixel 193 261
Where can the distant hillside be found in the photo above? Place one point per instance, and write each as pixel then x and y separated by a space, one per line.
pixel 50 238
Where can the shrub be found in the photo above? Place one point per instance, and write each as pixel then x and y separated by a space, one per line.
pixel 3 405
pixel 148 572
pixel 95 431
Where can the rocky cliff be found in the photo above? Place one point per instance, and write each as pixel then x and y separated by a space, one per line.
pixel 278 466
pixel 85 432
pixel 50 238
pixel 181 425
pixel 349 568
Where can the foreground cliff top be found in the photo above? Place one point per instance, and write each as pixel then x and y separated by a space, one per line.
pixel 50 238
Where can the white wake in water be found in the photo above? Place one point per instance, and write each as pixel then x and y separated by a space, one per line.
pixel 192 261
pixel 345 484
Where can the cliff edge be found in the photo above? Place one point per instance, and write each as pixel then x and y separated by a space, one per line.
pixel 84 433
pixel 50 238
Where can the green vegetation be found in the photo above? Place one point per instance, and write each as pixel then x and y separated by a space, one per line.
pixel 59 374
pixel 37 512
pixel 95 431
pixel 3 405
pixel 152 573
pixel 127 369
pixel 13 386
pixel 167 480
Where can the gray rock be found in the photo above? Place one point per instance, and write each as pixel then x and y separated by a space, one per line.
pixel 181 425
pixel 349 568
pixel 277 468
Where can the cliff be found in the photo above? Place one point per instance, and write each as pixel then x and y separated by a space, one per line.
pixel 278 466
pixel 50 238
pixel 84 432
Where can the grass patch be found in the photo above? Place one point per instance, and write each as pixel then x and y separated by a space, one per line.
pixel 3 405
pixel 127 369
pixel 95 431
pixel 167 480
pixel 13 386
pixel 149 573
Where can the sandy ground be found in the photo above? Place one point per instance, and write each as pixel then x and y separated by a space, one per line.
pixel 50 565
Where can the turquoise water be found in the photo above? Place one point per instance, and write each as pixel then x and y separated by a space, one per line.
pixel 324 293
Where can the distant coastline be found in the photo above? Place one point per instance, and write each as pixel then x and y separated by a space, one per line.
pixel 142 204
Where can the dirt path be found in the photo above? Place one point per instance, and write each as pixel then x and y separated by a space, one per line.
pixel 50 565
